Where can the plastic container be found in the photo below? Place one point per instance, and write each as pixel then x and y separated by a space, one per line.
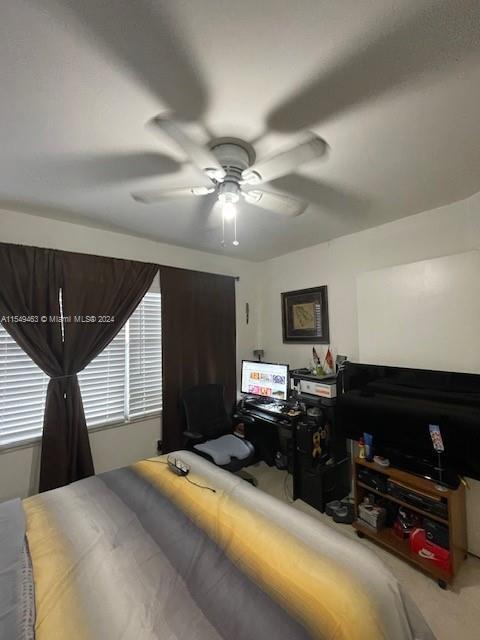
pixel 368 439
pixel 361 449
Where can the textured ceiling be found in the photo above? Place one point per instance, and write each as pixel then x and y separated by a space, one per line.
pixel 393 87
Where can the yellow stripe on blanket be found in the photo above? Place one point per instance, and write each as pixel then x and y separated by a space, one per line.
pixel 320 594
pixel 57 602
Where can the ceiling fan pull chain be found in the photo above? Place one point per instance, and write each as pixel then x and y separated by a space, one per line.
pixel 235 241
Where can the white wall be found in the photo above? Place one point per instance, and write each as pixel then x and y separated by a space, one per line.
pixel 422 314
pixel 451 229
pixel 111 448
pixel 116 447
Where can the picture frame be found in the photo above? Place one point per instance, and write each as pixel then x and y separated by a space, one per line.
pixel 305 316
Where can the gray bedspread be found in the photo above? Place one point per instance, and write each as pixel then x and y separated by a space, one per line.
pixel 142 554
pixel 17 613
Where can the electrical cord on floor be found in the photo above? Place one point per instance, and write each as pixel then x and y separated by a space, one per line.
pixel 201 486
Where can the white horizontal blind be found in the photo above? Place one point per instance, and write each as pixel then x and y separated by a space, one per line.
pixel 123 382
pixel 102 384
pixel 23 387
pixel 145 357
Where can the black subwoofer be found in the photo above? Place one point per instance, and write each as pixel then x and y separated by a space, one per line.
pixel 317 485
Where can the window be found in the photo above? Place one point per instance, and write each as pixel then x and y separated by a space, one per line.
pixel 23 387
pixel 145 358
pixel 122 382
pixel 102 384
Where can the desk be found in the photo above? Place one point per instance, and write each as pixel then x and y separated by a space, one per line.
pixel 316 481
pixel 269 429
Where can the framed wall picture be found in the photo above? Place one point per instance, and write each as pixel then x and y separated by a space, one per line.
pixel 305 316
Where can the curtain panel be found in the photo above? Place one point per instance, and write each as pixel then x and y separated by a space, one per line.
pixel 198 341
pixel 70 306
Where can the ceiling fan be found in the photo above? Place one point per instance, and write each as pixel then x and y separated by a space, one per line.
pixel 230 166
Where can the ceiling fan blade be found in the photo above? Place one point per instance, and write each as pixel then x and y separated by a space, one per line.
pixel 287 161
pixel 328 196
pixel 156 195
pixel 276 202
pixel 199 156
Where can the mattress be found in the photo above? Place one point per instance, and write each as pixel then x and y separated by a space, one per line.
pixel 140 553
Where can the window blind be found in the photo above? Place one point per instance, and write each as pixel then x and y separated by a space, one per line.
pixel 23 387
pixel 122 382
pixel 102 384
pixel 145 357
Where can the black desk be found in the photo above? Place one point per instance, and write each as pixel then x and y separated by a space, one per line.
pixel 316 481
pixel 269 430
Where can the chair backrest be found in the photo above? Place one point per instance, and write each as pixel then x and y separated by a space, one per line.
pixel 205 412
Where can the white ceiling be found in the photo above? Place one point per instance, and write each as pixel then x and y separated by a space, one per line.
pixel 393 87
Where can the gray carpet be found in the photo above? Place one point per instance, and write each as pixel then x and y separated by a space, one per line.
pixel 451 614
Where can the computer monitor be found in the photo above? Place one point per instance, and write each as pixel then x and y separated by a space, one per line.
pixel 265 379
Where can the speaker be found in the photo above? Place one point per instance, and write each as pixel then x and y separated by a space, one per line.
pixel 311 440
pixel 322 484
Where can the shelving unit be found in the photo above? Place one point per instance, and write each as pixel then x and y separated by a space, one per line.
pixel 456 522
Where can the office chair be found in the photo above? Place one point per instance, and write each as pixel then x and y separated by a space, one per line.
pixel 209 430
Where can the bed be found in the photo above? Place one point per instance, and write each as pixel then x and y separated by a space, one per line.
pixel 140 553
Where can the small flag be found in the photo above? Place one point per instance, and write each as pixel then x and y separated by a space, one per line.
pixel 329 360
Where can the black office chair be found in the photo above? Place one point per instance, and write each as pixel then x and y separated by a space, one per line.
pixel 209 430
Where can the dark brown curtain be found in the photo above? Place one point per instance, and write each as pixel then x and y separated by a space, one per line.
pixel 34 283
pixel 198 341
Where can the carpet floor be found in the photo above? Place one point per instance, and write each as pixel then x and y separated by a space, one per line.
pixel 451 614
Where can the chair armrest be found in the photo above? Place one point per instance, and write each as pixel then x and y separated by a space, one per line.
pixel 194 436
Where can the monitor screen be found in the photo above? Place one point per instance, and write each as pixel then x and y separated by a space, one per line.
pixel 265 379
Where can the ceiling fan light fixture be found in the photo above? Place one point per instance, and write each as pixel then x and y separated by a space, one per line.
pixel 232 170
pixel 229 191
pixel 229 211
pixel 229 195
